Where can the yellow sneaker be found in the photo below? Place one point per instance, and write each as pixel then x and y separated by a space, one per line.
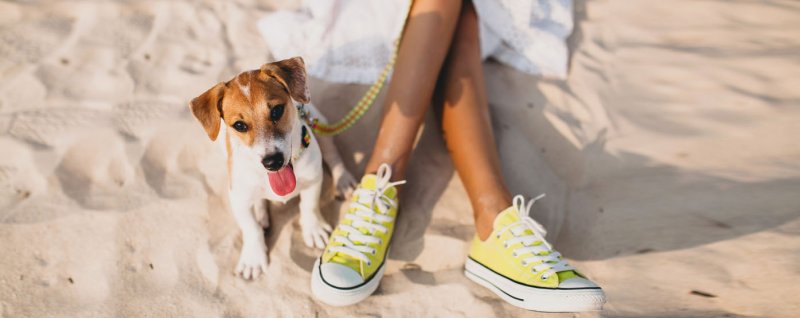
pixel 521 267
pixel 351 266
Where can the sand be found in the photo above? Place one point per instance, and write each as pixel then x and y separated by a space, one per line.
pixel 670 159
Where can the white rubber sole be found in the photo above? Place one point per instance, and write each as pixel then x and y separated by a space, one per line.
pixel 334 296
pixel 535 298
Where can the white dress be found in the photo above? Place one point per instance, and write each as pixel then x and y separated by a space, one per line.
pixel 350 41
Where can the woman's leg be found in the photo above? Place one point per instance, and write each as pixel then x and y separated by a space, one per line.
pixel 468 133
pixel 467 126
pixel 423 49
pixel 426 42
pixel 349 269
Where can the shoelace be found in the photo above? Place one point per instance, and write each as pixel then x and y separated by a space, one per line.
pixel 362 215
pixel 535 249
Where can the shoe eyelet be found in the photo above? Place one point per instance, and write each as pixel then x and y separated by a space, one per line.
pixel 524 263
pixel 505 245
pixel 514 254
pixel 373 252
pixel 545 277
pixel 369 263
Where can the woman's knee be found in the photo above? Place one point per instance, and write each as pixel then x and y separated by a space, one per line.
pixel 447 8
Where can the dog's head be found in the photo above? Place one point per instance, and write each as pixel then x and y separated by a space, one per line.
pixel 257 109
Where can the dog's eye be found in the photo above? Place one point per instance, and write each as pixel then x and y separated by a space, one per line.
pixel 240 126
pixel 276 112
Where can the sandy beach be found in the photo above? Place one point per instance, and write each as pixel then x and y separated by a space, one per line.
pixel 669 156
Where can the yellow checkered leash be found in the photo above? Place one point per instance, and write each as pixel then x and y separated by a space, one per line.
pixel 363 105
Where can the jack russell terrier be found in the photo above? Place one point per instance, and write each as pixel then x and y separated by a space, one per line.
pixel 271 153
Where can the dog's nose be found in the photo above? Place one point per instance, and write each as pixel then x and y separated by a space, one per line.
pixel 273 162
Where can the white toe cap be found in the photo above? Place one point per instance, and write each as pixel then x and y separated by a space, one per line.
pixel 339 275
pixel 577 282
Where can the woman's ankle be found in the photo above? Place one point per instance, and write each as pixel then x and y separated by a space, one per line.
pixel 484 226
pixel 398 167
pixel 486 210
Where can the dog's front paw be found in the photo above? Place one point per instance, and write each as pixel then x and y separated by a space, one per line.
pixel 252 261
pixel 315 232
pixel 344 181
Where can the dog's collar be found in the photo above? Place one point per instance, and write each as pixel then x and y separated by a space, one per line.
pixel 305 116
pixel 305 141
pixel 303 112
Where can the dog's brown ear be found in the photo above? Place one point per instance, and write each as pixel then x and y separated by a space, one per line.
pixel 292 74
pixel 207 108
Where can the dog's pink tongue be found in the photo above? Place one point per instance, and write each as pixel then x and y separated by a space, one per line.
pixel 282 181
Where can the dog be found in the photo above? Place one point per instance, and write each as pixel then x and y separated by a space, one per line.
pixel 271 153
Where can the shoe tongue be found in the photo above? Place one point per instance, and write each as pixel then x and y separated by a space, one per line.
pixel 509 216
pixel 370 182
pixel 506 217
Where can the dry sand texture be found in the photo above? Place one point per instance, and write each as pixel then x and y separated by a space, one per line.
pixel 670 158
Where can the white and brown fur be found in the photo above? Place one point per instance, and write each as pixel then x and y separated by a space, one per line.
pixel 249 97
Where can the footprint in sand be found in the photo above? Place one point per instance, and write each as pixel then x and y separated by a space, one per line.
pixel 139 118
pixel 185 50
pixel 55 127
pixel 170 69
pixel 94 78
pixel 68 275
pixel 243 40
pixel 123 27
pixel 21 91
pixel 96 173
pixel 20 179
pixel 180 162
pixel 43 33
pixel 147 263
